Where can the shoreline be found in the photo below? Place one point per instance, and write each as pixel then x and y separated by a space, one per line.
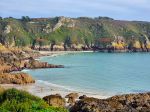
pixel 41 89
pixel 56 53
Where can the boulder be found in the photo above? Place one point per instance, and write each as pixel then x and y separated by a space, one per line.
pixel 72 97
pixel 55 100
pixel 16 78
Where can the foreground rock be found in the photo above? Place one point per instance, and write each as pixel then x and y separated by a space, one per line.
pixel 16 78
pixel 35 64
pixel 13 59
pixel 72 98
pixel 123 103
pixel 55 100
pixel 82 97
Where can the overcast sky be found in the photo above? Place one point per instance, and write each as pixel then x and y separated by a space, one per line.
pixel 117 9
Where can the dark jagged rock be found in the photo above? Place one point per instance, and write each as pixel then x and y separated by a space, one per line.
pixel 55 100
pixel 123 103
pixel 82 97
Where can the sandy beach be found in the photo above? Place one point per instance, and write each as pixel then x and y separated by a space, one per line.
pixel 43 88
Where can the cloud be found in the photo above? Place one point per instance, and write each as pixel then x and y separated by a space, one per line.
pixel 119 9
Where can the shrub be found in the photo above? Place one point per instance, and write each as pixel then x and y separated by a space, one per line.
pixel 14 100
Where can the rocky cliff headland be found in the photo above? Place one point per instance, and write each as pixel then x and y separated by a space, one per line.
pixel 15 59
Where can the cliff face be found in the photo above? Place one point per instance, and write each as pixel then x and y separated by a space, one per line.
pixel 69 32
pixel 17 59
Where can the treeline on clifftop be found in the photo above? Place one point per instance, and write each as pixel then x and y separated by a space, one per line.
pixel 62 33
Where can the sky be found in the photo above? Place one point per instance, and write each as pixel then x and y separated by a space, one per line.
pixel 117 9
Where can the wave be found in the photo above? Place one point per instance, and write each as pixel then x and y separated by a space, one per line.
pixel 70 89
pixel 25 70
pixel 37 59
pixel 55 85
pixel 60 53
pixel 54 55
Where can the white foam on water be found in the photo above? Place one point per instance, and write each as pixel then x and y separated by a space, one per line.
pixel 54 85
pixel 65 89
pixel 25 70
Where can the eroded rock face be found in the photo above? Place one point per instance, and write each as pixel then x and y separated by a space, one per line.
pixel 12 60
pixel 123 103
pixel 16 78
pixel 72 97
pixel 55 100
pixel 5 68
pixel 34 64
pixel 64 21
pixel 7 29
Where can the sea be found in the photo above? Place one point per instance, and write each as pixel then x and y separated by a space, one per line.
pixel 104 74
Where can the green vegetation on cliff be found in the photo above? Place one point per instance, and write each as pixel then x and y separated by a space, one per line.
pixel 86 31
pixel 13 100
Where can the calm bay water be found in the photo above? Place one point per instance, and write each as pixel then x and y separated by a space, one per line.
pixel 100 73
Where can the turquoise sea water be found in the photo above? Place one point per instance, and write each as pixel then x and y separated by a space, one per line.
pixel 101 73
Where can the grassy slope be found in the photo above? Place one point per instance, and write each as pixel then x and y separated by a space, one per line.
pixel 85 29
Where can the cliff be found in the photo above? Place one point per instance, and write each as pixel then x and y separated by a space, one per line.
pixel 63 33
pixel 17 59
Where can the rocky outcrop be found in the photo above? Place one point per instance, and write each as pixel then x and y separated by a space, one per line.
pixel 55 100
pixel 8 57
pixel 5 68
pixel 72 98
pixel 68 22
pixel 124 103
pixel 48 29
pixel 13 59
pixel 16 78
pixel 7 29
pixel 35 64
pixel 82 97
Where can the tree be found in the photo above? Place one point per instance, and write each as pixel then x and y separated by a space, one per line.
pixel 142 40
pixel 33 43
pixel 130 45
pixel 53 42
pixel 25 18
pixel 87 43
pixel 1 18
pixel 67 43
pixel 40 43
